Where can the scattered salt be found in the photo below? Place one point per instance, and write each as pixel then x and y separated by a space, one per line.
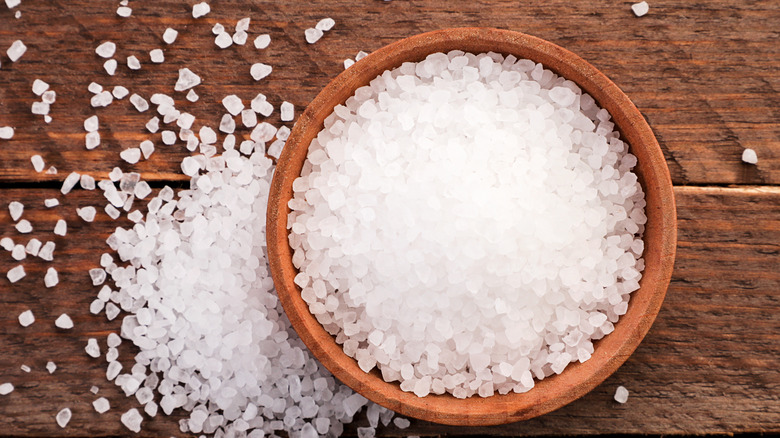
pixel 26 318
pixel 64 322
pixel 133 63
pixel 621 394
pixel 120 92
pixel 24 226
pixel 312 35
pixel 61 227
pixel 39 87
pixel 51 367
pixel 200 9
pixel 233 104
pixel 70 181
pixel 157 56
pixel 6 132
pixel 187 79
pixel 260 70
pixel 262 41
pixel 287 111
pixel 63 417
pixel 51 202
pixel 16 209
pixel 92 348
pixel 169 36
pixel 640 8
pixel 86 213
pixel 124 11
pixel 325 24
pixel 51 279
pixel 223 40
pixel 6 388
pixel 16 50
pixel 101 405
pixel 131 155
pixel 749 156
pixel 106 50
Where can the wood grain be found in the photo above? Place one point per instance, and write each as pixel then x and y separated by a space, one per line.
pixel 704 74
pixel 710 364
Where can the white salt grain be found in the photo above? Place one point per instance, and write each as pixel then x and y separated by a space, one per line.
pixel 169 36
pixel 325 24
pixel 37 162
pixel 249 118
pixel 124 11
pixel 47 251
pixel 110 66
pixel 33 246
pixel 16 209
pixel 120 92
pixel 61 227
pixel 132 419
pixel 147 148
pixel 240 37
pixel 25 368
pixel 64 322
pixel 94 88
pixel 192 96
pixel 200 9
pixel 87 182
pixel 39 87
pixel 92 348
pixel 91 124
pixel 6 243
pixel 287 111
pixel 233 104
pixel 18 253
pixel 51 278
pixel 51 367
pixel 101 405
pixel 242 25
pixel 218 29
pixel 24 226
pixel 142 190
pixel 101 100
pixel 187 79
pixel 262 41
pixel 98 276
pixel 94 389
pixel 92 140
pixel 86 213
pixel 640 8
pixel 40 108
pixel 70 181
pixel 223 40
pixel 133 63
pixel 63 417
pixel 157 56
pixel 621 394
pixel 16 50
pixel 49 97
pixel 6 132
pixel 51 202
pixel 749 156
pixel 131 155
pixel 153 125
pixel 260 71
pixel 6 388
pixel 312 35
pixel 26 318
pixel 106 50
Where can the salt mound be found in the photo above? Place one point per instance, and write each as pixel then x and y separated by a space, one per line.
pixel 467 224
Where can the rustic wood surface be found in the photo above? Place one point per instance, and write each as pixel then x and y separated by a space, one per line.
pixel 705 75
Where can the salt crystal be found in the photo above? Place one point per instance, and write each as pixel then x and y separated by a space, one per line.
pixel 101 100
pixel 142 190
pixel 185 121
pixel 18 253
pixel 91 124
pixel 92 348
pixel 40 108
pixel 33 246
pixel 360 55
pixel 243 24
pixel 87 182
pixel 157 56
pixel 287 111
pixel 64 322
pixel 640 8
pixel 49 97
pixel 110 66
pixel 16 50
pixel 51 278
pixel 227 124
pixel 24 226
pixel 169 36
pixel 187 79
pixel 86 213
pixel 6 132
pixel 233 104
pixel 98 276
pixel 147 148
pixel 207 135
pixel 94 389
pixel 200 9
pixel 94 88
pixel 249 118
pixel 26 318
pixel 749 156
pixel 51 170
pixel 223 40
pixel 124 11
pixel 63 417
pixel 6 243
pixel 325 24
pixel 101 405
pixel 133 63
pixel 47 251
pixel 120 92
pixel 153 125
pixel 37 163
pixel 621 394
pixel 114 340
pixel 192 96
pixel 51 202
pixel 15 208
pixel 51 367
pixel 240 37
pixel 131 155
pixel 70 181
pixel 6 388
pixel 260 71
pixel 218 29
pixel 401 423
pixel 61 227
pixel 106 50
pixel 262 41
pixel 312 35
pixel 39 87
pixel 25 368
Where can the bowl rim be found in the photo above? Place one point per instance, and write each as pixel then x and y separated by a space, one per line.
pixel 554 391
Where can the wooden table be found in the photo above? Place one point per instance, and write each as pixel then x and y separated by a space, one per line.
pixel 705 74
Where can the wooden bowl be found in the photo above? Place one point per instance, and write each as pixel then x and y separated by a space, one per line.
pixel 554 391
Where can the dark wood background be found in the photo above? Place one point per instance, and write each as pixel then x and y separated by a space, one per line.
pixel 706 75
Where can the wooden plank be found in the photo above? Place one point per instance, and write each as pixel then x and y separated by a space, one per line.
pixel 710 364
pixel 705 75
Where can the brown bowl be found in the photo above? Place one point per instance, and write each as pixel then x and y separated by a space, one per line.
pixel 578 378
